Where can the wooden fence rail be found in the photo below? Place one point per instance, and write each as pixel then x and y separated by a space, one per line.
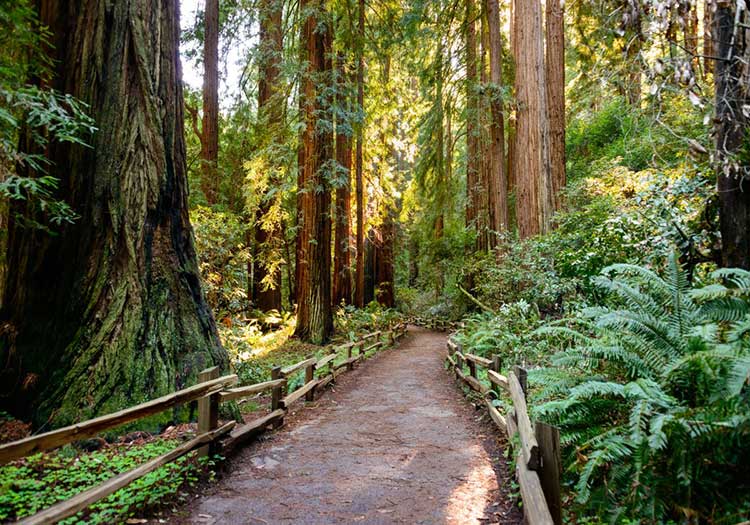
pixel 538 459
pixel 212 436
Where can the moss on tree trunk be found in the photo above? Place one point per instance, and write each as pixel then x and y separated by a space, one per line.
pixel 110 312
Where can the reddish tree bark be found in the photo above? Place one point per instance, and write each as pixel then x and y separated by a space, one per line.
pixel 555 73
pixel 473 186
pixel 210 131
pixel 110 312
pixel 314 312
pixel 342 276
pixel 360 285
pixel 498 182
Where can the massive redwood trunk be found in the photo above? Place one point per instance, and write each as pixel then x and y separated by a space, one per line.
pixel 383 270
pixel 342 276
pixel 314 312
pixel 733 131
pixel 210 132
pixel 110 312
pixel 534 189
pixel 498 181
pixel 269 237
pixel 555 73
pixel 359 300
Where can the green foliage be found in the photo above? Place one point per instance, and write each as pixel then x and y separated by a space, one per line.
pixel 39 481
pixel 220 239
pixel 657 421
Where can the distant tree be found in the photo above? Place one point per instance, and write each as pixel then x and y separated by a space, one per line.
pixel 210 130
pixel 555 76
pixel 314 311
pixel 360 195
pixel 269 237
pixel 473 181
pixel 342 276
pixel 109 312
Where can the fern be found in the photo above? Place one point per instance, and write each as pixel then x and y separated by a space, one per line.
pixel 654 397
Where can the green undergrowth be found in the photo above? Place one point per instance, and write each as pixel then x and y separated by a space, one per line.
pixel 254 351
pixel 37 482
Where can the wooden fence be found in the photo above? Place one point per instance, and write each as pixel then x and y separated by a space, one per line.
pixel 538 464
pixel 435 323
pixel 211 437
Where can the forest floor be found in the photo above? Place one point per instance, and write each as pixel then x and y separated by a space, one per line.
pixel 393 442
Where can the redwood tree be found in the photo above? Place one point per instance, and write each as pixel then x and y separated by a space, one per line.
pixel 110 312
pixel 360 273
pixel 314 312
pixel 342 277
pixel 555 73
pixel 498 181
pixel 533 184
pixel 732 131
pixel 269 237
pixel 210 131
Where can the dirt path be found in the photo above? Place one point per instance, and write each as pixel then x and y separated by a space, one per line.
pixel 395 442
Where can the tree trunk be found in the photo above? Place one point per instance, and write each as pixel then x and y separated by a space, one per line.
pixel 384 260
pixel 360 285
pixel 314 312
pixel 110 312
pixel 210 131
pixel 498 182
pixel 555 72
pixel 269 238
pixel 533 198
pixel 708 40
pixel 733 131
pixel 473 189
pixel 342 283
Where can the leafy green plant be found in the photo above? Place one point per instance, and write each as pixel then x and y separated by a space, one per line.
pixel 39 481
pixel 655 402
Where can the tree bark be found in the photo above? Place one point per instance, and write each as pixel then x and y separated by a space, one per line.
pixel 314 312
pixel 533 199
pixel 473 189
pixel 210 130
pixel 555 72
pixel 269 238
pixel 110 312
pixel 708 40
pixel 733 131
pixel 384 260
pixel 498 187
pixel 360 285
pixel 342 283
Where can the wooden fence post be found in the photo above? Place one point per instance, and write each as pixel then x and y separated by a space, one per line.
pixel 309 376
pixel 522 376
pixel 350 366
pixel 472 368
pixel 495 366
pixel 276 394
pixel 208 410
pixel 548 438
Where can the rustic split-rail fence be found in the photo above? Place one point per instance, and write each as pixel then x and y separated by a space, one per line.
pixel 538 462
pixel 212 437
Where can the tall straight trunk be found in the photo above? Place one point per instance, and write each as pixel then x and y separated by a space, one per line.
pixel 472 118
pixel 533 198
pixel 342 276
pixel 314 312
pixel 708 40
pixel 498 182
pixel 555 73
pixel 691 28
pixel 485 203
pixel 360 285
pixel 269 238
pixel 733 131
pixel 109 312
pixel 210 131
pixel 384 273
pixel 439 140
